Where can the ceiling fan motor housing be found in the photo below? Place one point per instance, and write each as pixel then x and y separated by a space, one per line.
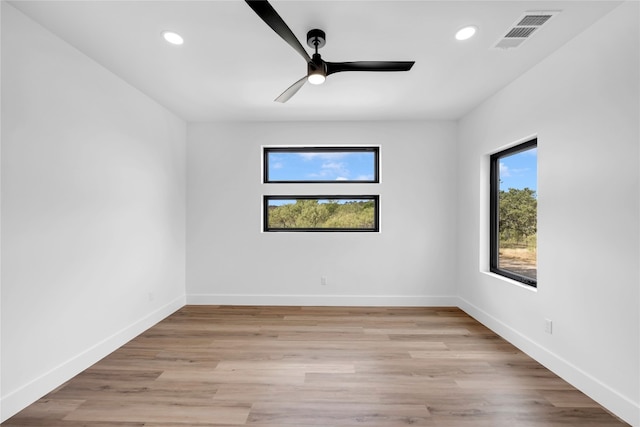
pixel 317 64
pixel 316 39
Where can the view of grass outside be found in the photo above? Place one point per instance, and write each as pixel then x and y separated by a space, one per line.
pixel 518 208
pixel 321 214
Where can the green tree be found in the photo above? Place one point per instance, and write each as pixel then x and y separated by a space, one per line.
pixel 283 216
pixel 311 214
pixel 332 214
pixel 518 210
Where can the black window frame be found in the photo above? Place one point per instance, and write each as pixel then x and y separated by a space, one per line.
pixel 494 215
pixel 320 149
pixel 374 197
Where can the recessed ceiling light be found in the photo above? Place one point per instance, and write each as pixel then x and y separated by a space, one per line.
pixel 466 32
pixel 173 38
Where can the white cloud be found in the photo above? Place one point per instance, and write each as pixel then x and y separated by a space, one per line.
pixel 337 169
pixel 276 165
pixel 324 156
pixel 504 170
pixel 507 172
pixel 364 178
pixel 333 166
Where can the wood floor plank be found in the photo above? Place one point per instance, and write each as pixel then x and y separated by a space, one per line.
pixel 50 409
pixel 229 377
pixel 190 415
pixel 305 393
pixel 284 367
pixel 415 331
pixel 335 413
pixel 568 399
pixel 316 366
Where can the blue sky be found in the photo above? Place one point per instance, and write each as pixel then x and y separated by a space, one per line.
pixel 280 202
pixel 329 166
pixel 520 170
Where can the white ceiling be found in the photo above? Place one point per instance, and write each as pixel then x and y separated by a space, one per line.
pixel 232 65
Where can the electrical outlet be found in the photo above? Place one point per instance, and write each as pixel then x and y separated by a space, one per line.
pixel 323 280
pixel 548 326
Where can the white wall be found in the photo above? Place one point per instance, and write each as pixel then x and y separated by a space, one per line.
pixel 93 212
pixel 411 262
pixel 582 103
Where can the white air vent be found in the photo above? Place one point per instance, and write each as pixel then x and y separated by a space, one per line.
pixel 524 28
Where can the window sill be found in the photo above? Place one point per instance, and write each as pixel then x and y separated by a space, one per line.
pixel 510 281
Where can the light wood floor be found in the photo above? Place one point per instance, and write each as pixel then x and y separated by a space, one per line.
pixel 305 366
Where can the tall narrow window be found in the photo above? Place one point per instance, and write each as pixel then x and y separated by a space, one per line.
pixel 514 209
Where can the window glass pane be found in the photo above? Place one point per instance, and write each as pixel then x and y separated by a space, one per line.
pixel 324 213
pixel 323 164
pixel 516 213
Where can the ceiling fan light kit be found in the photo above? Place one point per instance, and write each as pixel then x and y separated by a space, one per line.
pixel 317 69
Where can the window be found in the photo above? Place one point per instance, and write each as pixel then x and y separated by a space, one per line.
pixel 321 165
pixel 513 213
pixel 321 213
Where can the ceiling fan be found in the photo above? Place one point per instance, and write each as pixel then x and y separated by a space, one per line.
pixel 317 68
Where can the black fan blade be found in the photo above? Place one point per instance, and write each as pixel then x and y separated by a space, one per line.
pixel 293 89
pixel 268 14
pixel 337 67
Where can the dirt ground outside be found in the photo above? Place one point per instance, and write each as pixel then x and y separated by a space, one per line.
pixel 519 260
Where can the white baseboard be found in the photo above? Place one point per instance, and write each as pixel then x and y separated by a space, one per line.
pixel 325 300
pixel 19 399
pixel 618 404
